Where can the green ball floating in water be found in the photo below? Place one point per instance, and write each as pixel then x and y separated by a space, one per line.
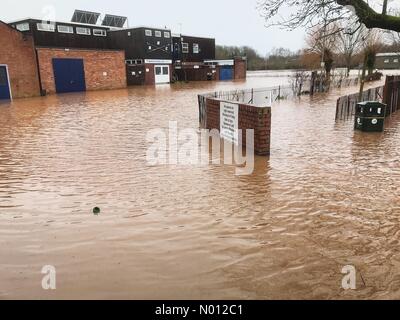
pixel 96 211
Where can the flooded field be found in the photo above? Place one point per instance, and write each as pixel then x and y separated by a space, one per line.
pixel 327 197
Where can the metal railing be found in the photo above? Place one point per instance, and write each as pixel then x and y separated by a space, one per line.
pixel 255 96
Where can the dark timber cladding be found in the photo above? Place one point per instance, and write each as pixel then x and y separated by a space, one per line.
pixel 65 34
pixel 193 49
pixel 143 43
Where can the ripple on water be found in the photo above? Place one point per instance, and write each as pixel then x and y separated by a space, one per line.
pixel 327 197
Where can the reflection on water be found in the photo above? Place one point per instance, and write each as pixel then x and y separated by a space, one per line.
pixel 327 197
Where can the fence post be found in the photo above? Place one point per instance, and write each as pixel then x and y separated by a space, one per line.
pixel 337 109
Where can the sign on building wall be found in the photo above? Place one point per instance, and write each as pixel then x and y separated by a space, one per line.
pixel 229 122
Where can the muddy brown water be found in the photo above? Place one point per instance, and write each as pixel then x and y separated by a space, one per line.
pixel 327 197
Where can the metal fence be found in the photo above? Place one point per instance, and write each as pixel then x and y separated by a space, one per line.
pixel 259 96
pixel 388 94
pixel 346 106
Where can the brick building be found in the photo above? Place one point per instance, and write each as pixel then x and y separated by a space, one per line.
pixel 18 67
pixel 45 57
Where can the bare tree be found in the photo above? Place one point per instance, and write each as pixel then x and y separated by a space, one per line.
pixel 350 42
pixel 312 12
pixel 322 40
pixel 371 45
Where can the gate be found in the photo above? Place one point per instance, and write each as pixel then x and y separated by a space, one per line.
pixel 161 73
pixel 4 84
pixel 226 73
pixel 69 75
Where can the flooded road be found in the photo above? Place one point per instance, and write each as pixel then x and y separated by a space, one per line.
pixel 326 198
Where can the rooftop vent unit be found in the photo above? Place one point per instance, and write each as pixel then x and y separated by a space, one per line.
pixel 114 21
pixel 86 17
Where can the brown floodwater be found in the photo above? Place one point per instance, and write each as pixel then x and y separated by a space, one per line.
pixel 326 197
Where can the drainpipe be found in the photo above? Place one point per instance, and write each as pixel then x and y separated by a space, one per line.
pixel 38 72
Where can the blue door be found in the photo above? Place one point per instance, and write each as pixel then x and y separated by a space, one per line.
pixel 69 75
pixel 4 84
pixel 226 73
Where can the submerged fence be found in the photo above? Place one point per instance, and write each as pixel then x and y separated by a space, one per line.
pixel 346 106
pixel 388 94
pixel 259 96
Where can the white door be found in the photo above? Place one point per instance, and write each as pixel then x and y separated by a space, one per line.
pixel 161 74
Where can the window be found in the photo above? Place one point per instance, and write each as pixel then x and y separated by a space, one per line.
pixel 386 61
pixel 149 33
pixel 65 29
pixel 46 27
pixel 158 71
pixel 185 47
pixel 129 33
pixel 396 60
pixel 99 32
pixel 165 71
pixel 83 31
pixel 167 35
pixel 195 48
pixel 157 34
pixel 23 26
pixel 3 76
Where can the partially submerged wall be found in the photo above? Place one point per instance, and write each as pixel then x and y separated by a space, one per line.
pixel 104 69
pixel 249 117
pixel 18 54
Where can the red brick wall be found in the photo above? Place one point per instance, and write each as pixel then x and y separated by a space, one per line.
pixel 149 74
pixel 250 117
pixel 96 62
pixel 18 53
pixel 240 68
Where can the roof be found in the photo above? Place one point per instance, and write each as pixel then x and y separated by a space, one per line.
pixel 199 37
pixel 65 22
pixel 388 54
pixel 93 25
pixel 6 24
pixel 227 62
pixel 146 27
pixel 111 28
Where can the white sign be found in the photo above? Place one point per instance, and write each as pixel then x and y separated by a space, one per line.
pixel 229 122
pixel 157 61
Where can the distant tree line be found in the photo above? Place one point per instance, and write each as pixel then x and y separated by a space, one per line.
pixel 277 59
pixel 346 51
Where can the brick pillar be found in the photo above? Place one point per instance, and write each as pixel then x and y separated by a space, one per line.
pixel 240 68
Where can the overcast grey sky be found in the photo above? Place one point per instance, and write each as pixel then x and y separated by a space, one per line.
pixel 230 22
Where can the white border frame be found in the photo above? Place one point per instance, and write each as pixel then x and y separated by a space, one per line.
pixel 8 79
